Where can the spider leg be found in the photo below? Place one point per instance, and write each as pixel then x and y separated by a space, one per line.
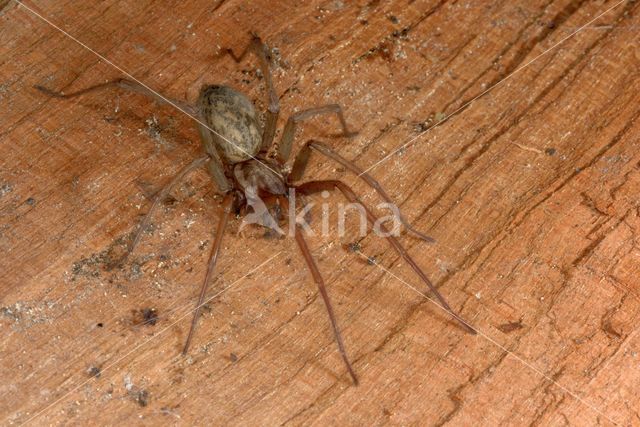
pixel 317 277
pixel 215 166
pixel 126 84
pixel 213 258
pixel 286 142
pixel 157 200
pixel 262 51
pixel 328 185
pixel 300 164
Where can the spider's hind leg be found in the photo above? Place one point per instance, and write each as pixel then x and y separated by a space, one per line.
pixel 286 142
pixel 125 84
pixel 263 53
pixel 157 200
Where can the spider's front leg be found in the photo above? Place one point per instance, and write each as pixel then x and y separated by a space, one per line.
pixel 312 187
pixel 300 165
pixel 317 277
pixel 223 219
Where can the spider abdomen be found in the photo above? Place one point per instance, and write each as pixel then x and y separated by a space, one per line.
pixel 233 117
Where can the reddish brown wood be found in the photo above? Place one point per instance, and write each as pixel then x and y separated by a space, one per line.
pixel 531 193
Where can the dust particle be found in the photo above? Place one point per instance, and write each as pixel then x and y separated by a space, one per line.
pixel 5 188
pixel 420 127
pixel 354 247
pixel 139 395
pixel 149 316
pixel 510 327
pixel 142 397
pixel 94 371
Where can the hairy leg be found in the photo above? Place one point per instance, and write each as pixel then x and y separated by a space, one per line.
pixel 319 186
pixel 286 142
pixel 302 159
pixel 157 200
pixel 317 277
pixel 125 84
pixel 261 50
pixel 215 166
pixel 213 258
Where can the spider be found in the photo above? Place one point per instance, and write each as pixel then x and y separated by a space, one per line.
pixel 236 146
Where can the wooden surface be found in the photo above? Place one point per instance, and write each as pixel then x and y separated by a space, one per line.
pixel 531 192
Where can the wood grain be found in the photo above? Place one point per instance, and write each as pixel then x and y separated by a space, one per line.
pixel 531 192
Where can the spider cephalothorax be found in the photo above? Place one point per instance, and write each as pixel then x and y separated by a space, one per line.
pixel 235 144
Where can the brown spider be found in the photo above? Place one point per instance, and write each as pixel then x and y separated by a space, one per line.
pixel 236 145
